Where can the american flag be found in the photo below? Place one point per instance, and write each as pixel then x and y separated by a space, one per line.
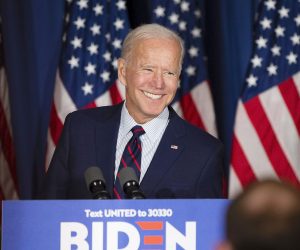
pixel 87 75
pixel 266 142
pixel 8 176
pixel 193 100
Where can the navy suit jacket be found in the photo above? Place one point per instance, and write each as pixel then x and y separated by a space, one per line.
pixel 193 169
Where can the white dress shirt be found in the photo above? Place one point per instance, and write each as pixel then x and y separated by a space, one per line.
pixel 154 130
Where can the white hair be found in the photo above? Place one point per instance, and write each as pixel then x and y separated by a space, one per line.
pixel 149 31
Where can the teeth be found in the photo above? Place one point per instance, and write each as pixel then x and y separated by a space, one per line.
pixel 152 96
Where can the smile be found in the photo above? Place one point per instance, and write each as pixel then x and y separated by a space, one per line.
pixel 152 96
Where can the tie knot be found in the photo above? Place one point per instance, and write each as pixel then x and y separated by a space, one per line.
pixel 137 131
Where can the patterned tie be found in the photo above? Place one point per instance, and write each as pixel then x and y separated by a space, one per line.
pixel 131 157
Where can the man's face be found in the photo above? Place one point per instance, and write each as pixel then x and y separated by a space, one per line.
pixel 151 77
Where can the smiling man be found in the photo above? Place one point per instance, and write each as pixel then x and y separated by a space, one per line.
pixel 171 158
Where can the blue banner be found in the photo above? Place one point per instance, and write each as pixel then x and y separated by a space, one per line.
pixel 113 224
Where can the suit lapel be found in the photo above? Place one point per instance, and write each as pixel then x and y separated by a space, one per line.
pixel 169 149
pixel 106 141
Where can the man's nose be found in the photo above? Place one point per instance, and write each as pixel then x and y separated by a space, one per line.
pixel 158 81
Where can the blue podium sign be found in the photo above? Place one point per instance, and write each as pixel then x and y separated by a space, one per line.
pixel 113 224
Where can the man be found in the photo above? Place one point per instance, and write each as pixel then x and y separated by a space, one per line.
pixel 178 160
pixel 265 217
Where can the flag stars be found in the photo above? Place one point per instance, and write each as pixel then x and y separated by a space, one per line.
pixel 197 13
pixel 90 69
pixel 74 62
pixel 115 63
pixel 105 76
pixel 182 25
pixel 174 18
pixel 283 12
pixel 252 81
pixel 87 88
pixel 261 42
pixel 119 24
pixel 98 9
pixel 185 6
pixel 272 69
pixel 107 56
pixel 297 20
pixel 159 11
pixel 193 51
pixel 93 49
pixel 270 4
pixel 256 61
pixel 121 5
pixel 279 31
pixel 196 32
pixel 190 70
pixel 95 29
pixel 295 39
pixel 117 43
pixel 108 37
pixel 276 50
pixel 76 42
pixel 64 38
pixel 67 18
pixel 292 58
pixel 83 4
pixel 266 23
pixel 80 23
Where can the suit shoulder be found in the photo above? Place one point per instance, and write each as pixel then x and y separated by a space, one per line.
pixel 201 134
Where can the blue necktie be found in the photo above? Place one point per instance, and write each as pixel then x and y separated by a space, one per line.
pixel 131 157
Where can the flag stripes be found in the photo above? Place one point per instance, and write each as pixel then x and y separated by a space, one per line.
pixel 271 146
pixel 190 111
pixel 283 127
pixel 290 95
pixel 248 155
pixel 266 133
pixel 268 139
pixel 8 176
pixel 241 164
pixel 202 97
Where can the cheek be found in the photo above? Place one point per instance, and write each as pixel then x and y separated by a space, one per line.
pixel 136 81
pixel 172 88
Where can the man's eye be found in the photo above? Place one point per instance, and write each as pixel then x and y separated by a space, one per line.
pixel 148 69
pixel 170 73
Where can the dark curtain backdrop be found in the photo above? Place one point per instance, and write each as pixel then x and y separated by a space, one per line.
pixel 32 31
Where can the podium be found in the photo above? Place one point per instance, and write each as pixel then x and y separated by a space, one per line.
pixel 113 224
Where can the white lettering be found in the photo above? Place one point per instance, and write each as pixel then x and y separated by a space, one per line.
pixel 113 230
pixel 97 239
pixel 120 236
pixel 174 237
pixel 119 213
pixel 73 233
pixel 93 214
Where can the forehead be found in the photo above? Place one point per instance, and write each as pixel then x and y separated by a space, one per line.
pixel 156 43
pixel 157 48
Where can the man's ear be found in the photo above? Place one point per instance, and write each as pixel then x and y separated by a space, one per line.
pixel 224 245
pixel 122 71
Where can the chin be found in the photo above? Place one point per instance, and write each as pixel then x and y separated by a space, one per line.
pixel 154 114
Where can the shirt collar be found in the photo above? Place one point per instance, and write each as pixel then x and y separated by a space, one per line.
pixel 153 128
